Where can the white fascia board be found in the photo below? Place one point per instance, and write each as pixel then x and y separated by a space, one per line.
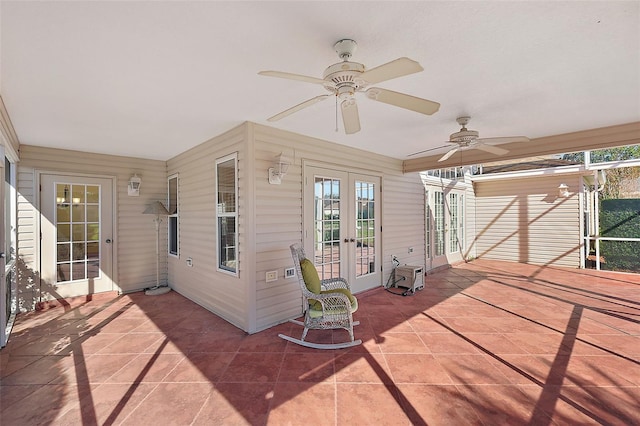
pixel 614 164
pixel 550 171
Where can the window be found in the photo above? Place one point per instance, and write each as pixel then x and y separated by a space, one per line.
pixel 452 173
pixel 77 224
pixel 227 213
pixel 172 207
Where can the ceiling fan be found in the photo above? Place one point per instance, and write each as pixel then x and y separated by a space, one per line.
pixel 346 78
pixel 469 139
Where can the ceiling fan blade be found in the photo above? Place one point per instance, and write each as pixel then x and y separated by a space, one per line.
pixel 398 68
pixel 449 154
pixel 427 150
pixel 350 116
pixel 508 139
pixel 402 100
pixel 298 107
pixel 491 148
pixel 291 76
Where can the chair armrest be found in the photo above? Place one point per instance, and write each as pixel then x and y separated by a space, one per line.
pixel 333 301
pixel 331 283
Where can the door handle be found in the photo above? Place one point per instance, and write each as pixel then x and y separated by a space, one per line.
pixel 108 241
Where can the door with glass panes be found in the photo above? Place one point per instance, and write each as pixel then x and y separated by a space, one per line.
pixel 76 224
pixel 342 225
pixel 445 227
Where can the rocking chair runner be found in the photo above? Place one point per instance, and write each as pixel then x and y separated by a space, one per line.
pixel 328 303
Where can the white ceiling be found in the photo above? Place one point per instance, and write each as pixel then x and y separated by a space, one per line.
pixel 152 79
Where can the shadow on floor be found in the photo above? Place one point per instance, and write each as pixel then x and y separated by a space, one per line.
pixel 483 343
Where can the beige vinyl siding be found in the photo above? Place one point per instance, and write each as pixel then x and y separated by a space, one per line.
pixel 524 220
pixel 220 292
pixel 134 233
pixel 279 213
pixel 26 241
pixel 404 214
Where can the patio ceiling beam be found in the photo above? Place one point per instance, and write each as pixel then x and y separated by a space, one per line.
pixel 585 140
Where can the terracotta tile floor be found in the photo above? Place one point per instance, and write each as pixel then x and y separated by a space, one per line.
pixel 488 343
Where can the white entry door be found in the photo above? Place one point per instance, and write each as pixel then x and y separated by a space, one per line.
pixel 342 225
pixel 445 224
pixel 76 224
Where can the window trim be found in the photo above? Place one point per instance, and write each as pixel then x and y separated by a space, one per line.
pixel 176 215
pixel 219 267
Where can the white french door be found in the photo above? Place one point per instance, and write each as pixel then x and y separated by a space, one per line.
pixel 76 224
pixel 342 225
pixel 445 227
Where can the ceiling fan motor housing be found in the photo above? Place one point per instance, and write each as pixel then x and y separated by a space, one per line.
pixel 464 137
pixel 342 78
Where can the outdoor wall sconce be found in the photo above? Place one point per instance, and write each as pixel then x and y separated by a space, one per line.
pixel 133 187
pixel 563 190
pixel 281 166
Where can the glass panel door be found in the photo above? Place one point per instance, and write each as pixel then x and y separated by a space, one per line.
pixel 445 216
pixel 363 232
pixel 366 237
pixel 341 225
pixel 453 223
pixel 328 205
pixel 76 225
pixel 439 220
pixel 77 221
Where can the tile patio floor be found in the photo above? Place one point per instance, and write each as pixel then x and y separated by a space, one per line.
pixel 487 343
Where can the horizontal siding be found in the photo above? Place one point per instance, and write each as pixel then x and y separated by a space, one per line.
pixel 403 213
pixel 134 233
pixel 279 212
pixel 523 220
pixel 219 292
pixel 28 273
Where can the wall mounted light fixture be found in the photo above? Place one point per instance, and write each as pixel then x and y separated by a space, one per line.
pixel 279 170
pixel 133 187
pixel 563 190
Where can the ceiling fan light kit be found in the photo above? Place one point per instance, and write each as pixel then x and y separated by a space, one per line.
pixel 345 79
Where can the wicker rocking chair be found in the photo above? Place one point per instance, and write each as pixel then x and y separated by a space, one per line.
pixel 329 306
